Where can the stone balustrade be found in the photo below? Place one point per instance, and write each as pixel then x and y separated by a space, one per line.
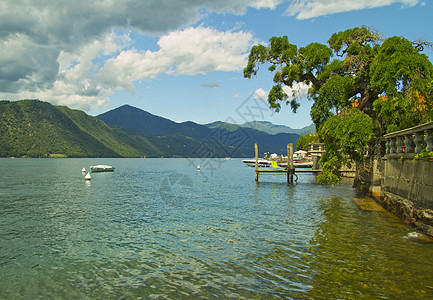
pixel 410 141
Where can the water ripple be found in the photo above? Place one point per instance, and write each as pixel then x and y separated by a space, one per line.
pixel 158 229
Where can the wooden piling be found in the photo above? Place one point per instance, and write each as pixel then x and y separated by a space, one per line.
pixel 290 167
pixel 256 149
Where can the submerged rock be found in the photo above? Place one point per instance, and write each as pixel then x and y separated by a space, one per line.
pixel 369 204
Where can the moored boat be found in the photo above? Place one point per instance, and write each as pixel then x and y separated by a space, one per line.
pixel 304 164
pixel 102 168
pixel 307 164
pixel 261 162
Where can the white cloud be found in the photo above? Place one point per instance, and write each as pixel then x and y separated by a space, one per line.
pixel 306 9
pixel 87 77
pixel 299 91
pixel 261 94
pixel 272 4
pixel 64 51
pixel 187 52
pixel 74 82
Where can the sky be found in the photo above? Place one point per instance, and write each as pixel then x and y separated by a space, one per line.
pixel 179 59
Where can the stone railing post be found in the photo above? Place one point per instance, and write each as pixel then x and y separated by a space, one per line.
pixel 429 140
pixel 408 143
pixel 392 145
pixel 419 138
pixel 387 147
pixel 399 144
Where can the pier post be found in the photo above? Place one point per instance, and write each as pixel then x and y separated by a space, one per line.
pixel 256 149
pixel 290 167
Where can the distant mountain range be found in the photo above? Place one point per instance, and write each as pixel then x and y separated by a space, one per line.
pixel 34 128
pixel 270 128
pixel 216 139
pixel 267 127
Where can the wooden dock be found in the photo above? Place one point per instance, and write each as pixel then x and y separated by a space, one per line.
pixel 290 171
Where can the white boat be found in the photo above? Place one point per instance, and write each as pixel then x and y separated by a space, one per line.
pixel 261 162
pixel 102 168
pixel 88 177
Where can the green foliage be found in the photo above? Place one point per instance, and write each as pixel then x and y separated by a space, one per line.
pixel 401 112
pixel 354 41
pixel 331 164
pixel 398 66
pixel 427 156
pixel 303 141
pixel 345 136
pixel 277 94
pixel 333 96
pixel 405 78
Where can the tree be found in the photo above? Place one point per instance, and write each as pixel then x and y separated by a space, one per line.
pixel 404 77
pixel 303 141
pixel 345 135
pixel 357 69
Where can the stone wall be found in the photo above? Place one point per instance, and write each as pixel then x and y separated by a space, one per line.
pixel 407 191
pixel 409 179
pixel 406 187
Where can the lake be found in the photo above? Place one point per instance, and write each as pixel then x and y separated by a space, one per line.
pixel 158 228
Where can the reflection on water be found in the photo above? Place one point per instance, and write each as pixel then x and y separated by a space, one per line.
pixel 158 228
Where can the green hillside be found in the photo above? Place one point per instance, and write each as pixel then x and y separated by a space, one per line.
pixel 33 128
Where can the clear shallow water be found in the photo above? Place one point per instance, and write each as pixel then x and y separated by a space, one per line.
pixel 158 228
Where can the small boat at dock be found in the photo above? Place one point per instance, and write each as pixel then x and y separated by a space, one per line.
pixel 261 162
pixel 304 164
pixel 102 168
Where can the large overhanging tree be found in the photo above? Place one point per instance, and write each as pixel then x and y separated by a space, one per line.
pixel 361 84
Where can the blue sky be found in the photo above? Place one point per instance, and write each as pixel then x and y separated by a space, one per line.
pixel 179 59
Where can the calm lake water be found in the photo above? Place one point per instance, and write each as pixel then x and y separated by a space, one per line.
pixel 158 228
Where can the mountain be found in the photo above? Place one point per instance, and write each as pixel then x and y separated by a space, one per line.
pixel 192 139
pixel 219 124
pixel 137 120
pixel 39 129
pixel 147 124
pixel 33 128
pixel 270 128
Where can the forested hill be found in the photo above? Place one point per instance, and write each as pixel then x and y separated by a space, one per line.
pixel 34 128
